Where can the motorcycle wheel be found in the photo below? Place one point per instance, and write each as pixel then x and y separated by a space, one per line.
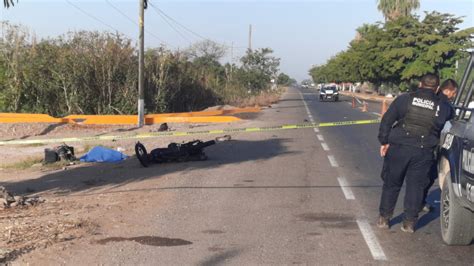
pixel 142 155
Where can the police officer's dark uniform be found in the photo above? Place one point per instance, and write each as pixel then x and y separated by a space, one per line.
pixel 444 100
pixel 411 126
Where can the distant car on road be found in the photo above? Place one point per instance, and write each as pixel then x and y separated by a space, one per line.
pixel 456 168
pixel 329 93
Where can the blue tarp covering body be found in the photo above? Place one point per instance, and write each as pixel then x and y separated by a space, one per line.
pixel 101 154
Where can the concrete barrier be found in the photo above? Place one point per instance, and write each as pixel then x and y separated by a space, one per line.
pixel 213 116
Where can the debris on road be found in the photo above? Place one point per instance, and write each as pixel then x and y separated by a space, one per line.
pixel 60 153
pixel 25 229
pixel 7 200
pixel 175 152
pixel 223 138
pixel 163 127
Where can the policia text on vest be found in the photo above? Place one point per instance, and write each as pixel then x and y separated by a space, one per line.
pixel 409 132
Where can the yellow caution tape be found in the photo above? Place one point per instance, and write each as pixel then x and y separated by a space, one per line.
pixel 191 133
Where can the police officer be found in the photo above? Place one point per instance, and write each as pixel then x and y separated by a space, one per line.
pixel 409 132
pixel 446 93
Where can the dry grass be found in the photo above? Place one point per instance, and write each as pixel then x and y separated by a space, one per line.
pixel 25 164
pixel 265 98
pixel 32 145
pixel 35 161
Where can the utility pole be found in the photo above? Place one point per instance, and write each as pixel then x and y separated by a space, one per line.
pixel 250 37
pixel 141 64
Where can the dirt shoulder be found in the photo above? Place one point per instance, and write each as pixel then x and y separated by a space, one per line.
pixel 87 201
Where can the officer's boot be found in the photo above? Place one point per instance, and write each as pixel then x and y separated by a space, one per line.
pixel 383 222
pixel 408 226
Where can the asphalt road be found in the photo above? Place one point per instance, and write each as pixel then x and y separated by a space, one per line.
pixel 307 196
pixel 356 150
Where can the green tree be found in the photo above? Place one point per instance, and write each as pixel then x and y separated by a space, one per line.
pixel 283 79
pixel 400 51
pixel 258 68
pixel 393 9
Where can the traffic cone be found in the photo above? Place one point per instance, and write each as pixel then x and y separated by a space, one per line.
pixel 384 107
pixel 353 102
pixel 364 107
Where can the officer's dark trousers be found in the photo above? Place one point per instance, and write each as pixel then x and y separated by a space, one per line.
pixel 405 163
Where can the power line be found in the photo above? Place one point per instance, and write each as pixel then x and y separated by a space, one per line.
pixel 91 16
pixel 134 22
pixel 163 14
pixel 175 21
pixel 120 11
pixel 172 26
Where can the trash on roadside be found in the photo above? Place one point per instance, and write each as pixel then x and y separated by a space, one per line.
pixel 120 149
pixel 100 154
pixel 175 152
pixel 63 152
pixel 7 200
pixel 223 138
pixel 163 127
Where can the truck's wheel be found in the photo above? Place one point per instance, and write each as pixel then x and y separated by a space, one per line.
pixel 456 221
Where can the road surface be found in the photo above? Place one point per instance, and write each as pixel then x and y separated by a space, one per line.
pixel 306 196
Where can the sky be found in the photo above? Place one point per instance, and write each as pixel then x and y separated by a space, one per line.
pixel 302 33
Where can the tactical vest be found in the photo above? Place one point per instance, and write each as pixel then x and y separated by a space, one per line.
pixel 421 114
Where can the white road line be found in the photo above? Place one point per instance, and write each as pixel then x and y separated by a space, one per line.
pixel 320 137
pixel 310 116
pixel 325 146
pixel 345 188
pixel 371 240
pixel 375 113
pixel 364 226
pixel 333 161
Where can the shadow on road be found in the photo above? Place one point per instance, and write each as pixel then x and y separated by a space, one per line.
pixel 433 199
pixel 220 258
pixel 91 177
pixel 237 186
pixel 426 218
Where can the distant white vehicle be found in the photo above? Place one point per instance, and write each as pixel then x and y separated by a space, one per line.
pixel 329 93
